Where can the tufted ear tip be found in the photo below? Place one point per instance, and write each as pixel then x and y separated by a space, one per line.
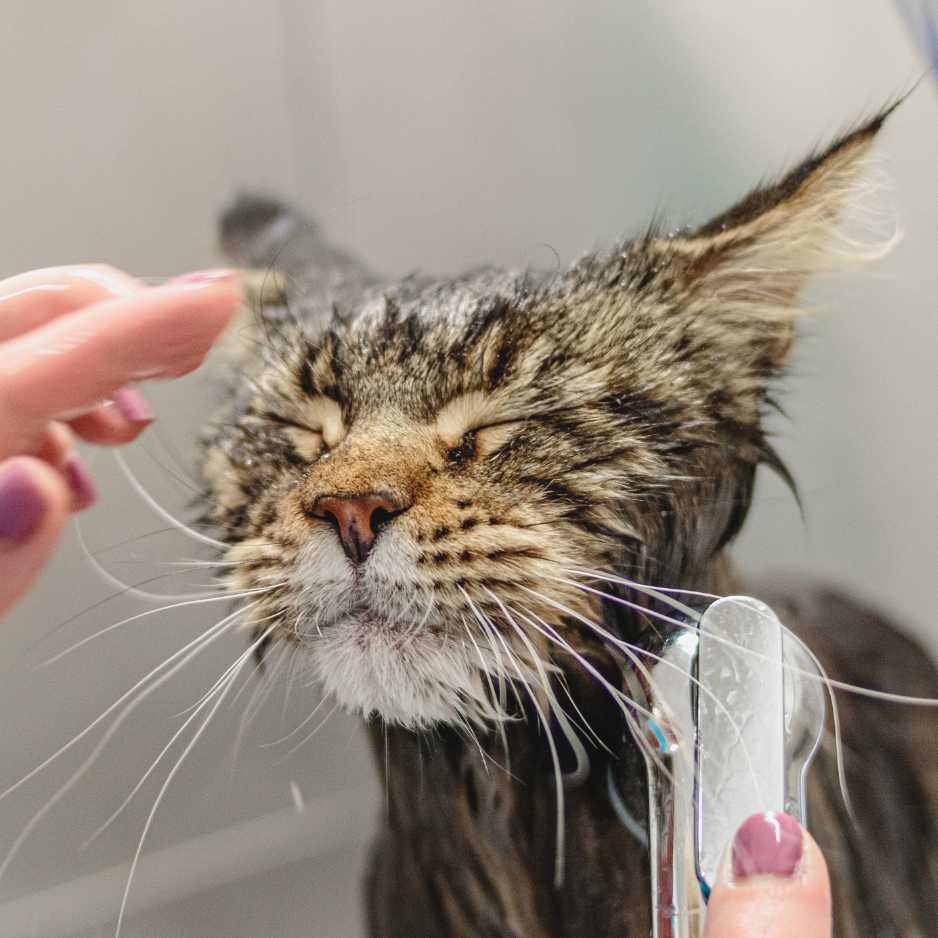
pixel 752 260
pixel 820 183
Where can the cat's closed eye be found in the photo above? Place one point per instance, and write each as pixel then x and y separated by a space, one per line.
pixel 307 441
pixel 459 455
pixel 314 427
pixel 492 437
pixel 290 422
pixel 483 441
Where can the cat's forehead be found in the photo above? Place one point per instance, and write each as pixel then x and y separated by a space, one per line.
pixel 451 303
pixel 415 348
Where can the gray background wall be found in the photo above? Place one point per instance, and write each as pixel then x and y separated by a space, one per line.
pixel 434 136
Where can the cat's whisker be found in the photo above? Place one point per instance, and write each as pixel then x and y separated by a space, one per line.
pixel 576 745
pixel 177 477
pixel 555 759
pixel 310 735
pixel 259 665
pixel 259 677
pixel 466 726
pixel 415 628
pixel 403 612
pixel 829 681
pixel 186 563
pixel 287 689
pixel 485 667
pixel 187 653
pixel 299 727
pixel 134 539
pixel 626 704
pixel 651 591
pixel 623 701
pixel 197 643
pixel 633 651
pixel 206 698
pixel 387 772
pixel 234 671
pixel 253 624
pixel 178 468
pixel 96 605
pixel 258 698
pixel 160 510
pixel 581 720
pixel 582 770
pixel 108 577
pixel 152 612
pixel 495 640
pixel 497 704
pixel 491 634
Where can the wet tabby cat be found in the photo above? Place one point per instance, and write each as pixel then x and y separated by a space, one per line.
pixel 428 473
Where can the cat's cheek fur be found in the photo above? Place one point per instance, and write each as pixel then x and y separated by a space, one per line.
pixel 228 494
pixel 321 585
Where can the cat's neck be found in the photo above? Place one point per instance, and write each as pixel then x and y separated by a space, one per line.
pixel 469 846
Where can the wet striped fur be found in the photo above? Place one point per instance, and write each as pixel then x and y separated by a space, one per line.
pixel 523 427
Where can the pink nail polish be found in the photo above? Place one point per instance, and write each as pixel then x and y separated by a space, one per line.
pixel 132 406
pixel 21 504
pixel 767 844
pixel 200 278
pixel 80 482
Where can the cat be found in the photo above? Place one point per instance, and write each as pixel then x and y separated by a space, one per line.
pixel 430 478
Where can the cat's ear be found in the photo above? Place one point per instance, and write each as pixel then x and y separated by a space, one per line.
pixel 291 275
pixel 255 230
pixel 749 263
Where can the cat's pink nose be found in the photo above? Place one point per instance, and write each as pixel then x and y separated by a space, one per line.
pixel 358 519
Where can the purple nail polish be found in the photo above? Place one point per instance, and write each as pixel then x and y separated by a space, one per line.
pixel 21 504
pixel 80 482
pixel 132 406
pixel 767 844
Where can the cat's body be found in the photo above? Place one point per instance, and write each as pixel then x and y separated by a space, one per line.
pixel 430 479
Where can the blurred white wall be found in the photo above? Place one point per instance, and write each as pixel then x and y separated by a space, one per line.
pixel 432 136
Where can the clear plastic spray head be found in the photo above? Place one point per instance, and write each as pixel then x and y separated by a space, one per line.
pixel 729 714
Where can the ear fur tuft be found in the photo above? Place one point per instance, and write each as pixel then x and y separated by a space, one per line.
pixel 752 260
pixel 815 177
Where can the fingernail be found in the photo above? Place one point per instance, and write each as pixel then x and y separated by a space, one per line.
pixel 132 406
pixel 204 278
pixel 80 482
pixel 21 504
pixel 767 844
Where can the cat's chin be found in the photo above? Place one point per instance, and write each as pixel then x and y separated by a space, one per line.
pixel 415 680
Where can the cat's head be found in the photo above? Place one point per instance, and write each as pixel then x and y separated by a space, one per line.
pixel 428 476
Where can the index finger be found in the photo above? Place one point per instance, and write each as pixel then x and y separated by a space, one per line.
pixel 30 300
pixel 71 364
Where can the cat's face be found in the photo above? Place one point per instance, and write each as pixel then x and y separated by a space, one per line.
pixel 426 484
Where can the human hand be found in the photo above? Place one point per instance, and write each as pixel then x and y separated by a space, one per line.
pixel 773 884
pixel 71 341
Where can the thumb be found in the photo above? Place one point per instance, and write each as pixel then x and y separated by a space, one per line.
pixel 773 883
pixel 34 504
